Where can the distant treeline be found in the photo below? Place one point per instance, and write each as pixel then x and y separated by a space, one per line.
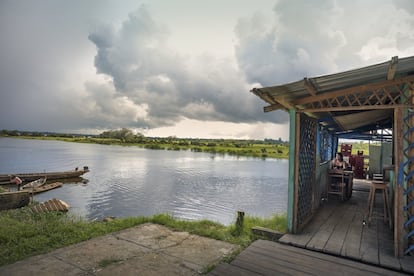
pixel 256 148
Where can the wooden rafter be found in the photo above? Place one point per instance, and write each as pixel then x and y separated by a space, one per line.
pixel 392 68
pixel 363 97
pixel 310 87
pixel 354 108
pixel 354 90
pixel 272 107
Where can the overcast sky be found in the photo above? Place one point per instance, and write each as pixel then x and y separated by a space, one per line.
pixel 180 68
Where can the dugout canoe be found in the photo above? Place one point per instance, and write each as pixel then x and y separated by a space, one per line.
pixel 43 188
pixel 27 177
pixel 13 200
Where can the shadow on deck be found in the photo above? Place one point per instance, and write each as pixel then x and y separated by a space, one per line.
pixel 336 241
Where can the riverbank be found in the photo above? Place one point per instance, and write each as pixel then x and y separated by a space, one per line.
pixel 248 148
pixel 27 234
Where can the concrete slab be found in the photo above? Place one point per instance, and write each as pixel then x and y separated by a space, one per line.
pixel 90 255
pixel 147 249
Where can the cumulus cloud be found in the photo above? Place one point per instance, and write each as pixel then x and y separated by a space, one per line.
pixel 311 38
pixel 146 71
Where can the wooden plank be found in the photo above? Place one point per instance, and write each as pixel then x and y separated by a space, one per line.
pixel 305 236
pixel 386 247
pixel 353 236
pixel 231 270
pixel 319 260
pixel 407 264
pixel 299 260
pixel 265 265
pixel 326 257
pixel 369 243
pixel 267 233
pixel 337 239
pixel 320 239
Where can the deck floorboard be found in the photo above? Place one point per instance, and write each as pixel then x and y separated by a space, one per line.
pixel 337 241
pixel 273 258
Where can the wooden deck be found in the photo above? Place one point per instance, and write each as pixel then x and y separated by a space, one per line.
pixel 335 242
pixel 272 258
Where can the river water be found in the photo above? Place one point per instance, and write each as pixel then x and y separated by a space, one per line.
pixel 130 181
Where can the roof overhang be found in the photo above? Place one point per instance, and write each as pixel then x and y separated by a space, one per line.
pixel 354 101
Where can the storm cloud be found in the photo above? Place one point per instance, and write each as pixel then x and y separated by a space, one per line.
pixel 98 65
pixel 149 72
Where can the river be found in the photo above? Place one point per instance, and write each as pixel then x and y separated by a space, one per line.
pixel 130 181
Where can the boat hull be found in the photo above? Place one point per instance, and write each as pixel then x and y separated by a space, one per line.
pixel 43 188
pixel 13 200
pixel 27 177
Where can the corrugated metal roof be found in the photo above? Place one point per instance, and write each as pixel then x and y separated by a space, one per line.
pixel 366 75
pixel 290 94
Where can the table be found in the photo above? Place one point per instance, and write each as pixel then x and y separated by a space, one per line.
pixel 341 176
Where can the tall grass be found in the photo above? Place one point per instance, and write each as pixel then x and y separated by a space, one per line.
pixel 24 234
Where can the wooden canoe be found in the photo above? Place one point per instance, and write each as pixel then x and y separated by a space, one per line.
pixel 36 183
pixel 43 188
pixel 12 200
pixel 26 177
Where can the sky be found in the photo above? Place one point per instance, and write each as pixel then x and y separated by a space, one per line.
pixel 181 68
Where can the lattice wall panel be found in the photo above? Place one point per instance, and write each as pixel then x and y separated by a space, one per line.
pixel 327 147
pixel 306 178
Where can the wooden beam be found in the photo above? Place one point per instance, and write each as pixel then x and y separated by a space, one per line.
pixel 351 90
pixel 273 107
pixel 286 104
pixel 392 68
pixel 310 87
pixel 353 108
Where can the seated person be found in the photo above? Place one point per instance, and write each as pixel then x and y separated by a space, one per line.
pixel 338 162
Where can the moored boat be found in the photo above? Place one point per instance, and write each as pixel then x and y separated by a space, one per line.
pixel 12 200
pixel 27 177
pixel 43 188
pixel 34 184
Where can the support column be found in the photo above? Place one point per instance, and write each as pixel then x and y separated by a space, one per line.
pixel 291 179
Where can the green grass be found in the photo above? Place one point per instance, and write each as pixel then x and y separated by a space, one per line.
pixel 24 234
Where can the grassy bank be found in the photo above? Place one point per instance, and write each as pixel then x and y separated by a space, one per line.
pixel 24 234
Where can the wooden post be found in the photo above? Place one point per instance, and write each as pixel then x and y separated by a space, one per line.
pixel 398 195
pixel 291 179
pixel 296 175
pixel 240 220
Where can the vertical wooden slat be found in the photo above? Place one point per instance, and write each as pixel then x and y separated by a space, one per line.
pixel 410 183
pixel 291 181
pixel 398 196
pixel 296 174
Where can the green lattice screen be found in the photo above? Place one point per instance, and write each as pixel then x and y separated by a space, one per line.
pixel 306 179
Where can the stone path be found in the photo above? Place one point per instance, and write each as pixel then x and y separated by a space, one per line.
pixel 147 249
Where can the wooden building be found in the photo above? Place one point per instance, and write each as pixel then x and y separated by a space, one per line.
pixel 354 104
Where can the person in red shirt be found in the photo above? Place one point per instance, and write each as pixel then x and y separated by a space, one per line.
pixel 16 180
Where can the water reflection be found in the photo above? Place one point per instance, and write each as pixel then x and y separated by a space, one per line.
pixel 129 181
